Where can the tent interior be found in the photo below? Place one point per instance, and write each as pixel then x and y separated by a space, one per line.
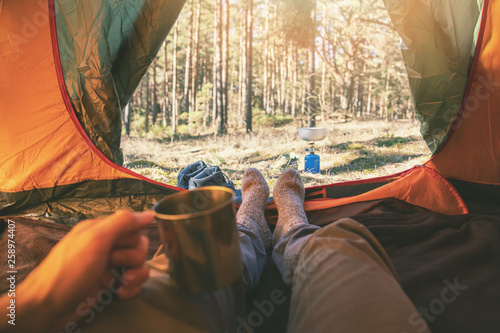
pixel 68 68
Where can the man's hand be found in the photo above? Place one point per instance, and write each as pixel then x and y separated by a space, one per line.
pixel 96 256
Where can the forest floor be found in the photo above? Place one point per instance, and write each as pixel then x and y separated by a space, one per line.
pixel 350 151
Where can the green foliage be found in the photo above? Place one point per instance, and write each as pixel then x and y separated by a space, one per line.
pixel 183 117
pixel 350 146
pixel 297 25
pixel 138 127
pixel 215 160
pixel 291 160
pixel 269 120
pixel 205 93
pixel 355 145
pixel 183 129
pixel 389 141
pixel 141 164
pixel 196 119
pixel 158 131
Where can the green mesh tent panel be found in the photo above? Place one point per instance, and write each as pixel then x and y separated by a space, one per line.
pixel 438 43
pixel 106 47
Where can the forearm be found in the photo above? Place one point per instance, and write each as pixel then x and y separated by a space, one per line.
pixel 25 309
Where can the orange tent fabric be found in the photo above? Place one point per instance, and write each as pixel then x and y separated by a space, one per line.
pixel 43 146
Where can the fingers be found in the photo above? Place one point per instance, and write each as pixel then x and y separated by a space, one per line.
pixel 131 257
pixel 124 223
pixel 84 225
pixel 128 293
pixel 132 282
pixel 137 274
pixel 127 285
pixel 128 241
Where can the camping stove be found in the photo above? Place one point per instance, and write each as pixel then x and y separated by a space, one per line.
pixel 311 134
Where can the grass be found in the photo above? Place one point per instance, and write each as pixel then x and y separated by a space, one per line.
pixel 390 140
pixel 353 150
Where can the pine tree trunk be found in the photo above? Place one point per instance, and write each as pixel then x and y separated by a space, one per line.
pixel 196 48
pixel 303 107
pixel 148 102
pixel 332 95
pixel 225 65
pixel 311 72
pixel 272 69
pixel 154 97
pixel 360 95
pixel 165 86
pixel 142 88
pixel 350 92
pixel 369 99
pixel 127 118
pixel 354 103
pixel 215 98
pixel 219 82
pixel 380 111
pixel 323 90
pixel 311 85
pixel 386 96
pixel 249 46
pixel 204 65
pixel 283 78
pixel 279 76
pixel 289 77
pixel 409 107
pixel 323 68
pixel 187 69
pixel 241 71
pixel 278 85
pixel 295 68
pixel 174 82
pixel 265 94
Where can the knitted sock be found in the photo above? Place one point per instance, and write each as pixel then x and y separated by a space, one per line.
pixel 255 193
pixel 289 195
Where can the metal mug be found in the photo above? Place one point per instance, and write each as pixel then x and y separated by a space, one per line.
pixel 200 238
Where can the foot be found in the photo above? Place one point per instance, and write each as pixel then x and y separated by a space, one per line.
pixel 250 215
pixel 289 195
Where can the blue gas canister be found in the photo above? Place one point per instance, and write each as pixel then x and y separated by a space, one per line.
pixel 311 162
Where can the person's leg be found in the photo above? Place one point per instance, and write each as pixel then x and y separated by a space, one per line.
pixel 292 229
pixel 342 280
pixel 254 233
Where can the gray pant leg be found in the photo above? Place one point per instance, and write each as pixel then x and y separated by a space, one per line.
pixel 253 255
pixel 343 281
pixel 287 250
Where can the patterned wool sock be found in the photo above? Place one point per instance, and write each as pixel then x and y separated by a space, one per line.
pixel 289 195
pixel 255 193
